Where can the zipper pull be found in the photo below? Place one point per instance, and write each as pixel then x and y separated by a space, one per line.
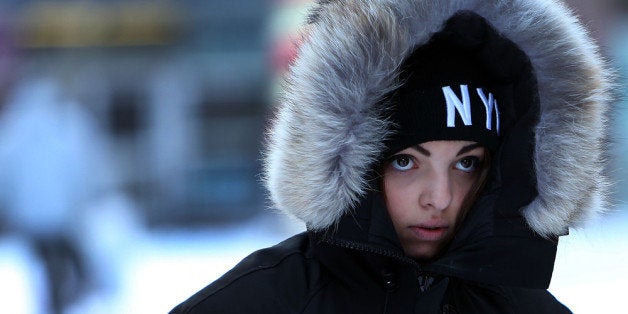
pixel 390 280
pixel 425 282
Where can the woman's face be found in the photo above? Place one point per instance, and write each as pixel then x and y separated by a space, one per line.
pixel 425 187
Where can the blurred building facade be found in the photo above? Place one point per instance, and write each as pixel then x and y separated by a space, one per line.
pixel 181 88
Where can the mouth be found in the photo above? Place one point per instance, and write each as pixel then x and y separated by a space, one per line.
pixel 430 232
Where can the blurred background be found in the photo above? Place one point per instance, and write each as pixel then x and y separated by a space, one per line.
pixel 130 138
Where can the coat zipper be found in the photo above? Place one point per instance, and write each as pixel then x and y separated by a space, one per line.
pixel 425 280
pixel 370 249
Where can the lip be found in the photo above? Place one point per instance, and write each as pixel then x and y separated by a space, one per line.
pixel 430 232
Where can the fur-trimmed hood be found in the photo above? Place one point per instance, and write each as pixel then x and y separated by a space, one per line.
pixel 329 131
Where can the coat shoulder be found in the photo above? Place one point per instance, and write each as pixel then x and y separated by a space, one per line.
pixel 537 301
pixel 472 297
pixel 278 279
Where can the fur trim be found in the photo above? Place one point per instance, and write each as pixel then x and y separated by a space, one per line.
pixel 328 131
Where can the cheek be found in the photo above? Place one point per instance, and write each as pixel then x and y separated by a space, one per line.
pixel 465 183
pixel 399 199
pixel 461 189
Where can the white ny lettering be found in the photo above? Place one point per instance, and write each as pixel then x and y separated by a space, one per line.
pixel 462 107
pixel 489 104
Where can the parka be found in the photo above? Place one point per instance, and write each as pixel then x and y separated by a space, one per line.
pixel 328 135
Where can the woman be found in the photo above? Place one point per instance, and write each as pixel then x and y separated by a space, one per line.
pixel 425 188
pixel 435 150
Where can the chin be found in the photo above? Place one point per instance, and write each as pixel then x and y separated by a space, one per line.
pixel 423 254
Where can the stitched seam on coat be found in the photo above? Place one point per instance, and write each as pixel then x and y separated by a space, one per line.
pixel 256 269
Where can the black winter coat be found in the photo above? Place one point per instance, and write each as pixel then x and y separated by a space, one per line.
pixel 365 271
pixel 302 276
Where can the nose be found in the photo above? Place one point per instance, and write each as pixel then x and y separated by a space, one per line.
pixel 437 193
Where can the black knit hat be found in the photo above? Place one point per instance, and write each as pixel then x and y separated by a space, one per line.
pixel 458 86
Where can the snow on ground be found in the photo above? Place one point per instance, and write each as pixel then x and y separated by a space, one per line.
pixel 21 277
pixel 592 266
pixel 161 269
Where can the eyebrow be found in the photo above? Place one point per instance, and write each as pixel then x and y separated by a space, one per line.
pixel 468 148
pixel 422 150
pixel 463 150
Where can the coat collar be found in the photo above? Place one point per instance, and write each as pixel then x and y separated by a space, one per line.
pixel 495 248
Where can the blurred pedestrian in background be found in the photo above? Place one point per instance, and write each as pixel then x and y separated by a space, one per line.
pixel 54 169
pixel 48 179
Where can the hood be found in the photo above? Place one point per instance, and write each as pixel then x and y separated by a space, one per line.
pixel 329 129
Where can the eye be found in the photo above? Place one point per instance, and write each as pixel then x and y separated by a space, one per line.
pixel 468 164
pixel 402 162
